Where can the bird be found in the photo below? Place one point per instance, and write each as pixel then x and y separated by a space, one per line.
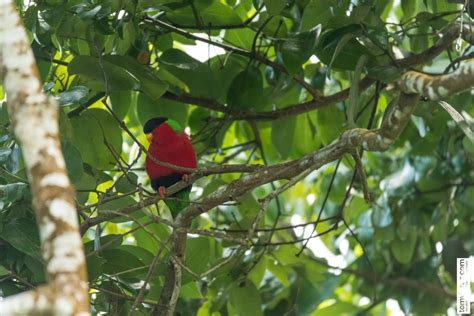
pixel 169 143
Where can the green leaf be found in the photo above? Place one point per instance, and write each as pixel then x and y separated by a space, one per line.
pixel 296 50
pixel 198 254
pixel 189 291
pixel 248 206
pixel 381 217
pixel 440 230
pixel 408 7
pixel 459 119
pixel 306 136
pixel 149 81
pixel 3 110
pixel 340 48
pixel 225 73
pixel 215 14
pixel 120 102
pixel 340 45
pixel 117 204
pixel 243 38
pixel 127 183
pixel 257 273
pixel 65 127
pixel 74 95
pixel 386 73
pixel 128 35
pixel 86 183
pixel 73 159
pixel 119 72
pixel 245 298
pixel 197 76
pixel 330 122
pixel 286 255
pixel 274 27
pixel 424 247
pixel 102 74
pixel 468 147
pixel 280 271
pixel 143 239
pixel 315 13
pixel 283 134
pixel 384 234
pixel 104 242
pixel 4 271
pixel 92 130
pixel 274 7
pixel 22 234
pixel 246 89
pixel 354 91
pixel 359 12
pixel 148 108
pixel 95 266
pixel 399 181
pixel 145 256
pixel 338 308
pixel 198 119
pixel 403 250
pixel 4 154
pixel 12 192
pixel 37 268
pixel 10 287
pixel 309 296
pixel 123 262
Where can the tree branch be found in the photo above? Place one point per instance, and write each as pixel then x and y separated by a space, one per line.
pixel 446 38
pixel 34 119
pixel 232 49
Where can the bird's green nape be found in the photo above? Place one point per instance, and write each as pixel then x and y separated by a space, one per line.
pixel 178 201
pixel 175 126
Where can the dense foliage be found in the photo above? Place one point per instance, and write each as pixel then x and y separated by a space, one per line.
pixel 264 86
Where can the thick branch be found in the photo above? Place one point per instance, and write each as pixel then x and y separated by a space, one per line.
pixel 437 87
pixel 295 109
pixel 34 118
pixel 170 293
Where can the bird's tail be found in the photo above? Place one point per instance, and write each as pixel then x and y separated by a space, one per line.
pixel 178 201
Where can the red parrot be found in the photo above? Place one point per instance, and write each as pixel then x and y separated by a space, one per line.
pixel 169 143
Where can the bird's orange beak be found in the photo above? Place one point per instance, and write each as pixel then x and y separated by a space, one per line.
pixel 149 136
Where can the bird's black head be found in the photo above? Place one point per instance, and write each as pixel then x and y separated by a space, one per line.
pixel 153 123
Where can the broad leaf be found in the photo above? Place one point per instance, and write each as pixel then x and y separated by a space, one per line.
pixel 296 50
pixel 22 234
pixel 274 7
pixel 246 89
pixel 245 298
pixel 96 135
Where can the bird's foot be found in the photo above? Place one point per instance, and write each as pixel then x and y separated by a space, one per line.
pixel 185 177
pixel 162 191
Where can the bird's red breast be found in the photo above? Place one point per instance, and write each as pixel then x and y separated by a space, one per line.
pixel 168 146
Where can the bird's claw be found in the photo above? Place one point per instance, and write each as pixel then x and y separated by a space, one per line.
pixel 185 177
pixel 162 192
